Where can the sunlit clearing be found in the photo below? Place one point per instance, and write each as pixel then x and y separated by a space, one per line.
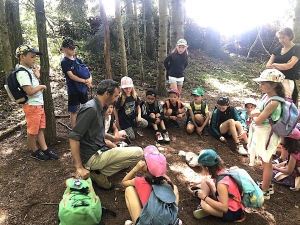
pixel 227 87
pixel 3 216
pixel 235 16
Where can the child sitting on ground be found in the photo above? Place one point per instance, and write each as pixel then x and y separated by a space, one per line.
pixel 226 121
pixel 250 104
pixel 198 115
pixel 173 108
pixel 153 112
pixel 127 109
pixel 288 172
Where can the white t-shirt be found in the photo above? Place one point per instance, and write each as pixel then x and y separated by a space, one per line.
pixel 107 123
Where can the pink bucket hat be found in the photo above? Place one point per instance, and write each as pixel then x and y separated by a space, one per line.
pixel 156 162
pixel 126 82
pixel 295 134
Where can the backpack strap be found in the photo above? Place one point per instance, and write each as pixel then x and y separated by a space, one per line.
pixel 23 69
pixel 203 106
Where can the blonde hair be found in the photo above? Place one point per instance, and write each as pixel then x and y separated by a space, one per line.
pixel 286 31
pixel 123 95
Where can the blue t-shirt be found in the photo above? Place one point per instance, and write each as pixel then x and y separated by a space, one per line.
pixel 66 65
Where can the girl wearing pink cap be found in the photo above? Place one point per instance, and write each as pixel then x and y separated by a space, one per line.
pixel 139 189
pixel 288 172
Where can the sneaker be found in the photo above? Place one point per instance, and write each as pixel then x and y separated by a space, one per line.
pixel 51 154
pixel 175 123
pixel 241 150
pixel 122 144
pixel 294 189
pixel 159 137
pixel 199 213
pixel 128 222
pixel 266 195
pixel 271 187
pixel 166 137
pixel 277 161
pixel 101 180
pixel 39 155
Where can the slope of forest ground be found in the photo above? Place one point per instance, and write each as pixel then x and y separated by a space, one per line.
pixel 31 190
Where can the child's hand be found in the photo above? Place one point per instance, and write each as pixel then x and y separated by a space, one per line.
pixel 157 121
pixel 43 87
pixel 138 119
pixel 255 112
pixel 140 165
pixel 222 139
pixel 194 183
pixel 180 115
pixel 199 130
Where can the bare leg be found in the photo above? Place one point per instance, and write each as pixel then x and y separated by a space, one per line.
pixel 179 87
pixel 41 140
pixel 267 175
pixel 133 203
pixel 31 140
pixel 174 85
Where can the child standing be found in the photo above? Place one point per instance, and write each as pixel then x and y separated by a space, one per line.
pixel 153 112
pixel 173 108
pixel 34 107
pixel 270 82
pixel 226 121
pixel 198 115
pixel 139 189
pixel 127 109
pixel 67 65
pixel 175 64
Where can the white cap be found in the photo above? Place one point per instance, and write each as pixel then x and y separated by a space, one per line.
pixel 251 101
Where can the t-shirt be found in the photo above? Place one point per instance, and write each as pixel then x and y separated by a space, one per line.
pixel 107 123
pixel 67 65
pixel 127 112
pixel 198 109
pixel 233 189
pixel 146 111
pixel 24 80
pixel 143 188
pixel 275 115
pixel 294 51
pixel 174 108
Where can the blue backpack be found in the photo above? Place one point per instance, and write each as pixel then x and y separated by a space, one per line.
pixel 287 121
pixel 251 194
pixel 82 71
pixel 161 208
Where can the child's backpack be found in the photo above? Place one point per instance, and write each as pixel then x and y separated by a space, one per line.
pixel 156 108
pixel 192 104
pixel 251 194
pixel 161 208
pixel 168 104
pixel 13 88
pixel 80 205
pixel 287 121
pixel 82 71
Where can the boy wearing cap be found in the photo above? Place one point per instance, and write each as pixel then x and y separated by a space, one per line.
pixel 173 108
pixel 226 121
pixel 198 115
pixel 153 112
pixel 34 107
pixel 67 65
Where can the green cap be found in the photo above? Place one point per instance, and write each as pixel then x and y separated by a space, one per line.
pixel 198 92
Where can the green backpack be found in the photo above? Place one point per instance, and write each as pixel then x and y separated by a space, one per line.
pixel 80 204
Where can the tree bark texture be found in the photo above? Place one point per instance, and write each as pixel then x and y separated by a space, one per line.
pixel 149 43
pixel 50 132
pixel 14 26
pixel 296 22
pixel 162 46
pixel 106 41
pixel 177 22
pixel 131 28
pixel 121 39
pixel 5 45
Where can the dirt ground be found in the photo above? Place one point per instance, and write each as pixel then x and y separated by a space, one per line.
pixel 31 190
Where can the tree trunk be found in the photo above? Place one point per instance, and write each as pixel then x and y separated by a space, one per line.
pixel 149 39
pixel 14 26
pixel 131 30
pixel 177 22
pixel 296 22
pixel 50 132
pixel 106 41
pixel 162 46
pixel 138 54
pixel 121 40
pixel 5 45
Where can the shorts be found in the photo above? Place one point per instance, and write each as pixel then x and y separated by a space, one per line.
pixel 74 99
pixel 231 216
pixel 178 80
pixel 35 118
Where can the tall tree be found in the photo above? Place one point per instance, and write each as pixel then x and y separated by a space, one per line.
pixel 121 40
pixel 14 26
pixel 177 22
pixel 162 46
pixel 131 28
pixel 6 49
pixel 296 21
pixel 149 40
pixel 50 132
pixel 106 41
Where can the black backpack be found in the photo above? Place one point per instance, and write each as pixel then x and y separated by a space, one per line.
pixel 13 88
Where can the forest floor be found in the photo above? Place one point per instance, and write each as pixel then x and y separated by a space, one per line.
pixel 31 190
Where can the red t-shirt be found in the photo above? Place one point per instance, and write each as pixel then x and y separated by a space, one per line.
pixel 143 188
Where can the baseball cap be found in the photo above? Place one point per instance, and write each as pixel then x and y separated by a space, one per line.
pixel 208 157
pixel 151 92
pixel 182 42
pixel 68 42
pixel 198 92
pixel 273 75
pixel 224 100
pixel 174 90
pixel 250 101
pixel 156 162
pixel 126 82
pixel 26 48
pixel 295 134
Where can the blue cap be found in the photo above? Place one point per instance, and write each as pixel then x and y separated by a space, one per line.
pixel 208 157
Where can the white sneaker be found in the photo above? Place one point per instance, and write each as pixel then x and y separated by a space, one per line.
pixel 241 150
pixel 122 144
pixel 166 137
pixel 128 222
pixel 159 137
